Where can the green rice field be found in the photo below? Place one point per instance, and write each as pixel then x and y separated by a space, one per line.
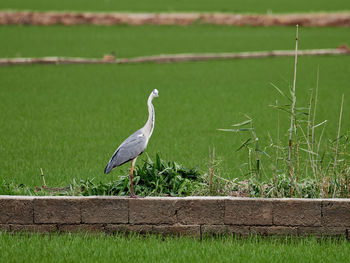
pixel 131 41
pixel 239 6
pixel 69 119
pixel 102 248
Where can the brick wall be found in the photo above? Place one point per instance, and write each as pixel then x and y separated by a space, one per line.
pixel 194 216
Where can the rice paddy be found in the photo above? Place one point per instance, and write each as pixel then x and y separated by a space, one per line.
pixel 69 119
pixel 238 6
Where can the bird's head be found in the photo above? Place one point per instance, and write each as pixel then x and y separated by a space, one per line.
pixel 155 93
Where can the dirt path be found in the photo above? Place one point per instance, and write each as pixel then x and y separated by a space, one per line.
pixel 110 59
pixel 74 18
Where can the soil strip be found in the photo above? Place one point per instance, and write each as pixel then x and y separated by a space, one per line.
pixel 73 18
pixel 110 59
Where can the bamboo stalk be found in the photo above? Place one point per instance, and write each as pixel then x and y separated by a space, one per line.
pixel 339 126
pixel 277 152
pixel 294 96
pixel 292 125
pixel 308 127
pixel 43 176
pixel 278 140
pixel 314 166
pixel 210 171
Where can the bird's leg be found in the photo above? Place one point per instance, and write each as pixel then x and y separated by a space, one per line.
pixel 132 194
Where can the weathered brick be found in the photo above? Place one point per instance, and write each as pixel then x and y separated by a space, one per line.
pixel 214 230
pixel 152 211
pixel 125 228
pixel 177 230
pixel 200 211
pixel 320 231
pixel 238 230
pixel 4 227
pixel 116 228
pixel 274 230
pixel 336 213
pixel 105 210
pixel 294 212
pixel 42 228
pixel 247 211
pixel 16 210
pixel 57 210
pixel 81 228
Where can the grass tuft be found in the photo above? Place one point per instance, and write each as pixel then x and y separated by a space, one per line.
pixel 302 154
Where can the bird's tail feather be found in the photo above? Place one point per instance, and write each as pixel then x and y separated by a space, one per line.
pixel 108 168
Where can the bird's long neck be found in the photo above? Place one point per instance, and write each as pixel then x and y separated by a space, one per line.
pixel 148 128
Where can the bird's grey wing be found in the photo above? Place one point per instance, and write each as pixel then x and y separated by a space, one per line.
pixel 132 147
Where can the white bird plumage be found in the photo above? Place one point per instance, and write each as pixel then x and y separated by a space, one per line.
pixel 135 144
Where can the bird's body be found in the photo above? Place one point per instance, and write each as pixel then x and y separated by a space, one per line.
pixel 135 144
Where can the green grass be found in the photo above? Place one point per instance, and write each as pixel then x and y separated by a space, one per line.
pixel 129 41
pixel 103 248
pixel 70 119
pixel 240 6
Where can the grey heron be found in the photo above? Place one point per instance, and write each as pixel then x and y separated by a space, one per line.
pixel 135 144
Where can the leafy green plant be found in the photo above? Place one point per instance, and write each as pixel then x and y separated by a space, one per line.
pixel 152 178
pixel 251 144
pixel 167 178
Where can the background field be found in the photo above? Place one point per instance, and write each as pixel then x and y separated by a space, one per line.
pixel 242 6
pixel 70 119
pixel 130 41
pixel 101 248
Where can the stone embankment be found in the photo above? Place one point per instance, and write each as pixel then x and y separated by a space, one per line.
pixel 193 216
